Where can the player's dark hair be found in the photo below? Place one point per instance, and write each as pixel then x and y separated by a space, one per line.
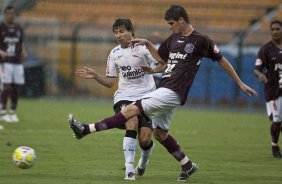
pixel 175 12
pixel 9 8
pixel 275 22
pixel 126 23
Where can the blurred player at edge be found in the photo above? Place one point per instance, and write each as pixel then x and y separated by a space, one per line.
pixel 125 63
pixel 181 52
pixel 268 69
pixel 12 54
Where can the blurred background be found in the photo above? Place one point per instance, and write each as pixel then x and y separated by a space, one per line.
pixel 63 35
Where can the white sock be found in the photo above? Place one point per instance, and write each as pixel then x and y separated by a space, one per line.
pixel 144 159
pixel 92 127
pixel 129 150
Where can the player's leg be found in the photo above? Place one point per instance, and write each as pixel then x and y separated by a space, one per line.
pixel 129 147
pixel 146 144
pixel 18 76
pixel 161 126
pixel 274 112
pixel 7 80
pixel 80 129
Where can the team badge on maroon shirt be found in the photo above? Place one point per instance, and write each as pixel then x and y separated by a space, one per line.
pixel 189 48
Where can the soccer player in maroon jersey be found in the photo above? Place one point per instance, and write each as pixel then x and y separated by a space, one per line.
pixel 12 55
pixel 268 69
pixel 181 53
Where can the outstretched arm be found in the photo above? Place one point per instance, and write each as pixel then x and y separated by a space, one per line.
pixel 89 73
pixel 230 70
pixel 150 46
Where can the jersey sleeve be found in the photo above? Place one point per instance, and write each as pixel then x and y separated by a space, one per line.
pixel 148 56
pixel 213 51
pixel 164 49
pixel 111 70
pixel 259 64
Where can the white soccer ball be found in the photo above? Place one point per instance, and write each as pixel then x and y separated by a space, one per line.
pixel 24 157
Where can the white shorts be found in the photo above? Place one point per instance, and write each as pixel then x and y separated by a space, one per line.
pixel 160 106
pixel 13 74
pixel 274 110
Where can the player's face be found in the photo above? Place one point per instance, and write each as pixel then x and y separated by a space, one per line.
pixel 10 16
pixel 276 32
pixel 174 26
pixel 123 36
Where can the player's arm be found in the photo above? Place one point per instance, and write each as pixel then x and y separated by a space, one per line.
pixel 150 46
pixel 261 76
pixel 259 67
pixel 158 69
pixel 224 63
pixel 3 54
pixel 24 54
pixel 89 73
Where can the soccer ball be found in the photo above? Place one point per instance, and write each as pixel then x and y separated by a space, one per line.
pixel 24 157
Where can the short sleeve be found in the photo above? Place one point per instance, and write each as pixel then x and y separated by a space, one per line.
pixel 213 51
pixel 259 64
pixel 111 70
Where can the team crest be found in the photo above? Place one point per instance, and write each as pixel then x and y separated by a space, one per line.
pixel 189 48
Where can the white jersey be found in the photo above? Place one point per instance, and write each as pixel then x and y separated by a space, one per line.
pixel 133 81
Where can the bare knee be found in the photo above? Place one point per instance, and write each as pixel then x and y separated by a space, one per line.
pixel 160 135
pixel 132 124
pixel 144 137
pixel 130 110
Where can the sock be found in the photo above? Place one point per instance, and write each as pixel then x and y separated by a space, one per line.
pixel 4 98
pixel 112 122
pixel 174 149
pixel 145 154
pixel 129 150
pixel 275 132
pixel 14 98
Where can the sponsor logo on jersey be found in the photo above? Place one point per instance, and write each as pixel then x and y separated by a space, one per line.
pixel 189 48
pixel 127 72
pixel 278 66
pixel 178 55
pixel 11 40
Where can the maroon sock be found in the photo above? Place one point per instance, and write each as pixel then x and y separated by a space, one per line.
pixel 4 98
pixel 174 149
pixel 115 121
pixel 275 132
pixel 14 98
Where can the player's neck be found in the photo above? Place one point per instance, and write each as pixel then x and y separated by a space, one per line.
pixel 278 43
pixel 8 23
pixel 187 30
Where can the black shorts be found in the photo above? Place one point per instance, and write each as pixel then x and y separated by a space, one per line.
pixel 142 121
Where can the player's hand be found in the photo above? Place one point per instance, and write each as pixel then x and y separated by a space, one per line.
pixel 137 41
pixel 147 69
pixel 248 90
pixel 86 73
pixel 3 54
pixel 262 78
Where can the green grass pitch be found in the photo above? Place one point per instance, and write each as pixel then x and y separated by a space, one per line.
pixel 229 147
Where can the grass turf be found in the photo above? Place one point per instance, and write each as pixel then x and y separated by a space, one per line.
pixel 229 147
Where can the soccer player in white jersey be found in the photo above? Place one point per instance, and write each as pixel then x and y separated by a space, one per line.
pixel 125 62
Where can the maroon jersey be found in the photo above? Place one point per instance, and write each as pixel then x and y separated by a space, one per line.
pixel 11 38
pixel 269 61
pixel 183 56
